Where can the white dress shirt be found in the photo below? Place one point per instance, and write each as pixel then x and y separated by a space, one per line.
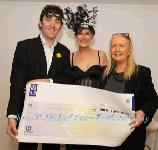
pixel 48 51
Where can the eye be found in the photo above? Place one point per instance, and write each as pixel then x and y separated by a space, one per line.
pixel 87 33
pixel 80 33
pixel 57 21
pixel 48 19
pixel 113 45
pixel 122 45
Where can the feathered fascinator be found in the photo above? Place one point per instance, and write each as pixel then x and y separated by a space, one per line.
pixel 82 18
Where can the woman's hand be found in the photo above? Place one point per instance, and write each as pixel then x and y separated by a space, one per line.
pixel 38 80
pixel 139 118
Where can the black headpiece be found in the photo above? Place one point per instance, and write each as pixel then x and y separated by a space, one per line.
pixel 82 18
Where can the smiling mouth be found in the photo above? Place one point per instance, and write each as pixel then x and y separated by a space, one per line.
pixel 117 54
pixel 52 31
pixel 83 41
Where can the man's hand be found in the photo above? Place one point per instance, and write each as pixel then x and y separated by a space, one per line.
pixel 139 118
pixel 11 128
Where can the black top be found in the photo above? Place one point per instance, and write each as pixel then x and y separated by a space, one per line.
pixel 91 77
pixel 115 82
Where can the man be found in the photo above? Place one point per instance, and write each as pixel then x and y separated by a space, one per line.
pixel 38 58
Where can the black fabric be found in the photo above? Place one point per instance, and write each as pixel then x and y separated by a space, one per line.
pixel 83 147
pixel 115 82
pixel 33 146
pixel 91 77
pixel 146 100
pixel 27 146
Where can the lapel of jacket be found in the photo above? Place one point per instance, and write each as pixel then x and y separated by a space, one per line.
pixel 130 85
pixel 41 56
pixel 56 61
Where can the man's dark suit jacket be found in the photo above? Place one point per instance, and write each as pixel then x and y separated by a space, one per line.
pixel 30 63
pixel 146 100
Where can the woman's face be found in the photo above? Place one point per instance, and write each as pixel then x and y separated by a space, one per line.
pixel 120 49
pixel 84 38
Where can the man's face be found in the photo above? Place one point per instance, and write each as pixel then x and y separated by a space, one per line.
pixel 50 27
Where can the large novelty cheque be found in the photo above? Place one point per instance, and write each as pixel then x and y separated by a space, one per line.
pixel 73 114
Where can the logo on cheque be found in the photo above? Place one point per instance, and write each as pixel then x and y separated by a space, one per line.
pixel 33 90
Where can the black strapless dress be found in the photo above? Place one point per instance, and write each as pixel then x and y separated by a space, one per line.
pixel 91 77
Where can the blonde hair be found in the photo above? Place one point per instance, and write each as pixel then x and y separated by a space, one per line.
pixel 131 67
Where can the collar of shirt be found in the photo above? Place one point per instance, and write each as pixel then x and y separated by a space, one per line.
pixel 45 45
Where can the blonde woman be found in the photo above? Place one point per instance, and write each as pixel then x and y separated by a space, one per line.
pixel 123 75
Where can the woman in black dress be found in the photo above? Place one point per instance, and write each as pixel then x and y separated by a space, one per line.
pixel 87 63
pixel 123 75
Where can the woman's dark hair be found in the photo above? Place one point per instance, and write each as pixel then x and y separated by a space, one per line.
pixel 78 30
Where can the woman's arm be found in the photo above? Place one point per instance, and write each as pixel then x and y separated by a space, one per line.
pixel 103 58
